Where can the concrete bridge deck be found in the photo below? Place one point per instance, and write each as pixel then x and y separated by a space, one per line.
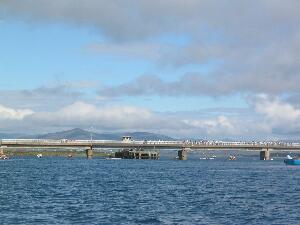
pixel 46 143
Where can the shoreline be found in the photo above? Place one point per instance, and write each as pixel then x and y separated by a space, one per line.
pixel 66 153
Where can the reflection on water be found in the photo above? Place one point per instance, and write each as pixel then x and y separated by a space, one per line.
pixel 78 191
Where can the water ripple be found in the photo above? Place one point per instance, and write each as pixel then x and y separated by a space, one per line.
pixel 79 191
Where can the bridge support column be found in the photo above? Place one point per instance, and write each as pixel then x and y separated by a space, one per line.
pixel 182 154
pixel 89 153
pixel 265 154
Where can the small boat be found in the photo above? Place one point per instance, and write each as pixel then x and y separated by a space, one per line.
pixel 232 157
pixel 208 157
pixel 4 157
pixel 39 155
pixel 113 158
pixel 292 161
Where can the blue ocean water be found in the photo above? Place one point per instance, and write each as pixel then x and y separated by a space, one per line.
pixel 56 190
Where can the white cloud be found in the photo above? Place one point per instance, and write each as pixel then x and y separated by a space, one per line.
pixel 267 117
pixel 221 125
pixel 276 110
pixel 279 116
pixel 271 117
pixel 45 97
pixel 85 115
pixel 115 118
pixel 14 114
pixel 253 45
pixel 255 42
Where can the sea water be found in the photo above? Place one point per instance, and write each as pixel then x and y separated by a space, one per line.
pixel 57 190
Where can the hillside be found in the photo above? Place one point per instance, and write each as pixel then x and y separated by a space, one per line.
pixel 80 134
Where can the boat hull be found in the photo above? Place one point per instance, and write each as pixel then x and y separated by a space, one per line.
pixel 292 162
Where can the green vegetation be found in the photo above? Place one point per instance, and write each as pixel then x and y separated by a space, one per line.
pixel 52 153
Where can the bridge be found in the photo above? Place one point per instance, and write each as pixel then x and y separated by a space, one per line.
pixel 182 146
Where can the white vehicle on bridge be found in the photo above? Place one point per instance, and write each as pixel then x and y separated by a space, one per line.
pixel 127 139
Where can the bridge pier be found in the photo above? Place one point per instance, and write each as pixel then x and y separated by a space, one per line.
pixel 89 153
pixel 265 154
pixel 182 153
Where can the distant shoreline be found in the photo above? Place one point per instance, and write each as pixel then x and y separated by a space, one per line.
pixel 52 152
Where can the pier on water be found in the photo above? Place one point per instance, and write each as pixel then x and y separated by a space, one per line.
pixel 137 154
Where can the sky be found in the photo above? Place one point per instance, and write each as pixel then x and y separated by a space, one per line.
pixel 205 69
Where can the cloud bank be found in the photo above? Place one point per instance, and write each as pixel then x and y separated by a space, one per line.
pixel 199 84
pixel 7 113
pixel 252 46
pixel 140 19
pixel 270 118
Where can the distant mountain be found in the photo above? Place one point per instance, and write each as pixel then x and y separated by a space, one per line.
pixel 80 134
pixel 148 136
pixel 291 141
pixel 10 135
pixel 69 134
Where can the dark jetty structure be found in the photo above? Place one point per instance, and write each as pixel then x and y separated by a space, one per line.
pixel 137 154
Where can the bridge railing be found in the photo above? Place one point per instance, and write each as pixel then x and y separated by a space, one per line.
pixel 258 144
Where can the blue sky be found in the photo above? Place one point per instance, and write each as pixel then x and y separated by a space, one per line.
pixel 35 55
pixel 201 70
